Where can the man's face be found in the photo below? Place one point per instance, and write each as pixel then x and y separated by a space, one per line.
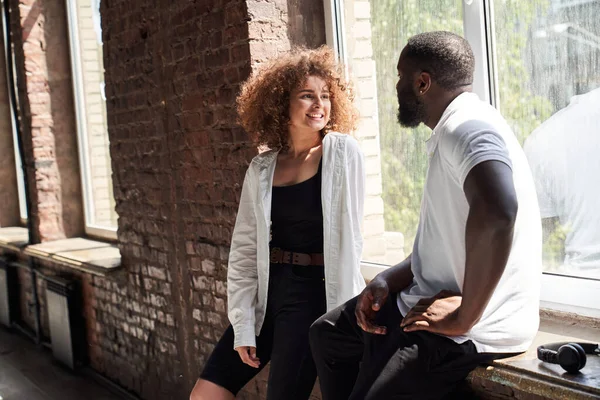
pixel 411 109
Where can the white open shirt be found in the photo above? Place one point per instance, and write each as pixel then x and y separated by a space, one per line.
pixel 342 197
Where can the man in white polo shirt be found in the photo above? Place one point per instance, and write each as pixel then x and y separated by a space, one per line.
pixel 469 292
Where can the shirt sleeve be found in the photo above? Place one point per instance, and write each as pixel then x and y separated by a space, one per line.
pixel 470 144
pixel 242 273
pixel 357 191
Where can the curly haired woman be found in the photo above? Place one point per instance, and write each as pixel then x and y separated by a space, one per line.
pixel 296 247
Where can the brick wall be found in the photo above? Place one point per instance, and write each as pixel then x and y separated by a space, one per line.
pixel 172 73
pixel 46 108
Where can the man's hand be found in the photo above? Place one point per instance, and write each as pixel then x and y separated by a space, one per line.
pixel 438 314
pixel 369 302
pixel 248 356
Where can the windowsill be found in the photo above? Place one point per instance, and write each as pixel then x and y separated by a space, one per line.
pixel 369 270
pixel 101 234
pixel 91 256
pixel 526 374
pixel 14 238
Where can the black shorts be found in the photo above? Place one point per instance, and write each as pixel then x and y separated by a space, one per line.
pixel 296 298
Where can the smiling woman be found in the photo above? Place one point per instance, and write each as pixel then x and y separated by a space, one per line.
pixel 297 243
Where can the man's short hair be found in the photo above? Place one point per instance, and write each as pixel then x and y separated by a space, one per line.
pixel 447 57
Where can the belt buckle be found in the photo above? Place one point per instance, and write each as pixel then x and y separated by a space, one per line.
pixel 276 255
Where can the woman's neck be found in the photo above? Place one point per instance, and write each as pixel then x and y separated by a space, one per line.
pixel 300 145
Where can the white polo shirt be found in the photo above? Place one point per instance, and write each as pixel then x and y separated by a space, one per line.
pixel 470 132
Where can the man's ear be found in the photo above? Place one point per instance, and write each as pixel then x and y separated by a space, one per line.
pixel 423 83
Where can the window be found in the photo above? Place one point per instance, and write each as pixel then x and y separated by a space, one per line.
pixel 531 59
pixel 18 165
pixel 88 85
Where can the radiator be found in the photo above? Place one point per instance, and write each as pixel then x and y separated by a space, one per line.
pixel 9 292
pixel 66 333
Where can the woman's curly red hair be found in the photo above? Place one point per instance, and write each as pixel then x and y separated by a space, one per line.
pixel 264 100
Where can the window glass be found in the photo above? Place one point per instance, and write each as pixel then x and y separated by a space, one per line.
pixel 547 55
pixel 86 46
pixel 375 32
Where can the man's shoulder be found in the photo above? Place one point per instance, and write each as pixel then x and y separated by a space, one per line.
pixel 468 123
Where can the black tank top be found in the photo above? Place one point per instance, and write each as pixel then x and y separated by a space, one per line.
pixel 297 216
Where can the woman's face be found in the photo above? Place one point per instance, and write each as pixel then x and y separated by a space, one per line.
pixel 310 105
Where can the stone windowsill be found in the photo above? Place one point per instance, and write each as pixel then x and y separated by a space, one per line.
pixel 14 238
pixel 525 374
pixel 91 256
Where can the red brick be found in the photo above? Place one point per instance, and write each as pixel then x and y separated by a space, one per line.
pixel 217 58
pixel 240 53
pixel 235 15
pixel 235 33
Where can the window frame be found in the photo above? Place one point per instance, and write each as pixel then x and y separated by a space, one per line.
pixel 91 229
pixel 19 166
pixel 558 292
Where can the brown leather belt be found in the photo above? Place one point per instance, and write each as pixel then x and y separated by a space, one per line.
pixel 279 256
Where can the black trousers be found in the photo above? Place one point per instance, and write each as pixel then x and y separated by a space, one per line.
pixel 355 365
pixel 296 298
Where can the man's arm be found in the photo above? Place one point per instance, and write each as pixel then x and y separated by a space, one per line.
pixel 490 192
pixel 392 280
pixel 398 277
pixel 493 206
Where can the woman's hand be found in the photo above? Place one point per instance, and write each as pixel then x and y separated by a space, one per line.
pixel 248 356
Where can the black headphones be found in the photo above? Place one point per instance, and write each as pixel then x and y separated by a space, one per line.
pixel 570 356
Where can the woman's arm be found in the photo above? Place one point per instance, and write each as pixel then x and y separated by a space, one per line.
pixel 242 273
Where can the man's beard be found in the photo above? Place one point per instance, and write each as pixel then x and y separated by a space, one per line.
pixel 411 110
